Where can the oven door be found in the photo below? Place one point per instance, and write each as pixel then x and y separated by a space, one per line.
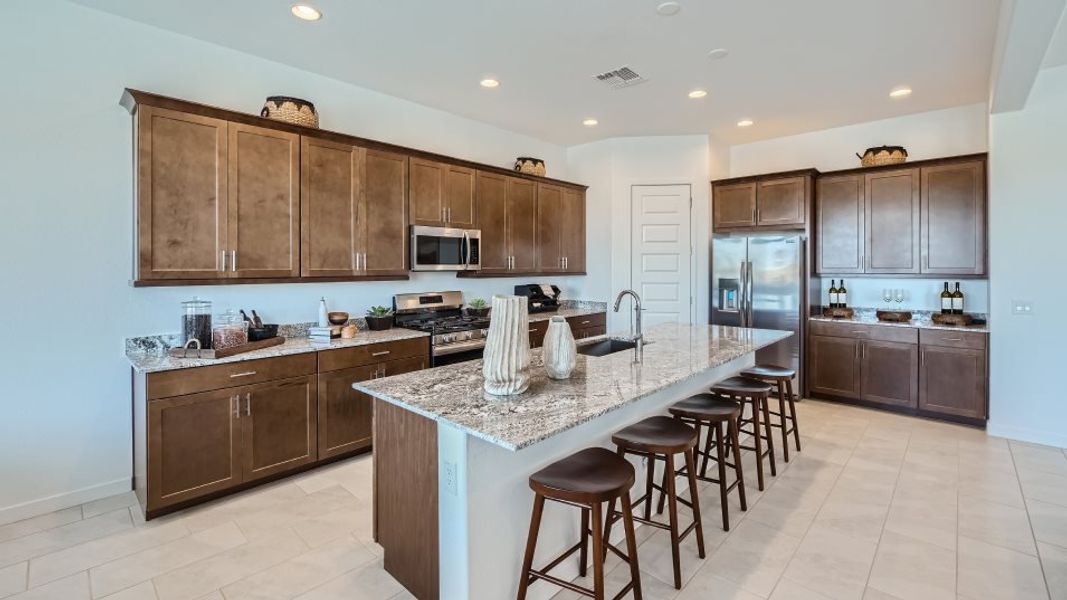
pixel 445 249
pixel 451 358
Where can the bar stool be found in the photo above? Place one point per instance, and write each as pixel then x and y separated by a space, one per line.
pixel 754 393
pixel 585 479
pixel 782 378
pixel 711 411
pixel 661 438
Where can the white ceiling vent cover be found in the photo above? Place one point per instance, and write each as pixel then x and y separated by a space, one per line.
pixel 622 77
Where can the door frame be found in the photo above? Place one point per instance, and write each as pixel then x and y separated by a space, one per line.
pixel 694 257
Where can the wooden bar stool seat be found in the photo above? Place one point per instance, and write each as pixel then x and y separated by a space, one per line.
pixel 660 438
pixel 752 392
pixel 782 379
pixel 712 412
pixel 585 479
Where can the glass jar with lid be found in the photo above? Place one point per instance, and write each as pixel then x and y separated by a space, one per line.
pixel 230 330
pixel 196 322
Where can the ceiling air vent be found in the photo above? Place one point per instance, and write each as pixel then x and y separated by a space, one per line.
pixel 620 78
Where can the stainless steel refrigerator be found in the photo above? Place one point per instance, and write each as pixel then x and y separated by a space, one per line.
pixel 759 281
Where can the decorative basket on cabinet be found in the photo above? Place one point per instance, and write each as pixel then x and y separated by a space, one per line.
pixel 883 155
pixel 530 166
pixel 291 110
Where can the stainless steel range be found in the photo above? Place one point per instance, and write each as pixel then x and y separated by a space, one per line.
pixel 456 337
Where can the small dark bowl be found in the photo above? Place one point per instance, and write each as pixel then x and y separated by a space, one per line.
pixel 256 334
pixel 337 317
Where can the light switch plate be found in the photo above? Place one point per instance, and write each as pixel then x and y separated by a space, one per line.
pixel 1022 307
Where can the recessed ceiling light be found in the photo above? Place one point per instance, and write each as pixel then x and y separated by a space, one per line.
pixel 900 92
pixel 697 94
pixel 590 122
pixel 718 53
pixel 305 12
pixel 745 123
pixel 668 8
pixel 490 83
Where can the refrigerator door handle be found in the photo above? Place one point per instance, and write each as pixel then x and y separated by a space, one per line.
pixel 743 295
pixel 748 294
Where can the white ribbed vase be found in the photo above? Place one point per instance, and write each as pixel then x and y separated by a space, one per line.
pixel 561 353
pixel 506 359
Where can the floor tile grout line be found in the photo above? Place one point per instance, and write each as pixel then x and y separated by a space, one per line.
pixel 885 519
pixel 1029 521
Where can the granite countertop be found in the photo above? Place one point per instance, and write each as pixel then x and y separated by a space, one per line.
pixel 154 362
pixel 919 321
pixel 566 313
pixel 672 353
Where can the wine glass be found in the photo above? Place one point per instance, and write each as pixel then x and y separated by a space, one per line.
pixel 887 297
pixel 899 297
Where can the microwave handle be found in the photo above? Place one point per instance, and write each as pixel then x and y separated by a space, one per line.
pixel 466 250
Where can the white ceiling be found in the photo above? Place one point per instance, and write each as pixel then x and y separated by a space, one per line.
pixel 794 66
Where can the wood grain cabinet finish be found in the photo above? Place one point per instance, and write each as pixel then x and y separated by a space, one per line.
pixel 889 373
pixel 953 218
pixel 345 415
pixel 892 222
pixel 385 202
pixel 538 329
pixel 572 225
pixel 953 373
pixel 782 202
pixel 839 224
pixel 182 195
pixel 522 224
pixel 734 205
pixel 507 216
pixel 834 366
pixel 279 426
pixel 331 196
pixel 549 228
pixel 441 195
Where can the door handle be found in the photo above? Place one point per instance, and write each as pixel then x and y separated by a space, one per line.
pixel 235 406
pixel 223 254
pixel 382 353
pixel 248 404
pixel 243 374
pixel 233 261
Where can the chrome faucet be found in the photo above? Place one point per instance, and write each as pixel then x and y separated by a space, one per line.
pixel 639 338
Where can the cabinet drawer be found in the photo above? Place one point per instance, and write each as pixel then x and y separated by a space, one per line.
pixel 588 321
pixel 904 335
pixel 202 379
pixel 346 358
pixel 953 339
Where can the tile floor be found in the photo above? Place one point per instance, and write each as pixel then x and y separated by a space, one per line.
pixel 876 507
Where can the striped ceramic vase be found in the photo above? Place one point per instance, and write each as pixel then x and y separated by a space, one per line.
pixel 506 362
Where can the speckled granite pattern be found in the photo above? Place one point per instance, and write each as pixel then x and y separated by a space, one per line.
pixel 565 312
pixel 920 320
pixel 585 304
pixel 672 354
pixel 153 362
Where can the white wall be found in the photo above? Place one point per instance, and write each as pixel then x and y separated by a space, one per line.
pixel 66 175
pixel 1028 210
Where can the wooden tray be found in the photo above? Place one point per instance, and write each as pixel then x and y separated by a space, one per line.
pixel 226 352
pixel 894 316
pixel 958 320
pixel 838 313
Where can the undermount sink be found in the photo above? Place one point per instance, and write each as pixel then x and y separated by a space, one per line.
pixel 606 347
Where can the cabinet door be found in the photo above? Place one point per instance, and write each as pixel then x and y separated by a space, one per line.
pixel 345 415
pixel 194 446
pixel 952 381
pixel 492 194
pixel 734 205
pixel 385 213
pixel 572 222
pixel 549 228
pixel 427 193
pixel 537 333
pixel 264 201
pixel 782 202
pixel 953 219
pixel 890 373
pixel 181 195
pixel 279 426
pixel 522 224
pixel 459 197
pixel 330 197
pixel 834 366
pixel 839 222
pixel 892 222
pixel 404 365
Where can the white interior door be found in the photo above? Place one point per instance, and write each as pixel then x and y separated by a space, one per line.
pixel 662 252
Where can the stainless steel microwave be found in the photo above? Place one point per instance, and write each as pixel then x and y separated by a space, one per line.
pixel 445 249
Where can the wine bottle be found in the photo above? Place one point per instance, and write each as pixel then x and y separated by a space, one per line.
pixel 957 300
pixel 842 296
pixel 946 301
pixel 833 293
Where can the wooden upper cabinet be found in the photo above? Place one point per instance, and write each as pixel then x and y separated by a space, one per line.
pixel 953 218
pixel 549 228
pixel 264 202
pixel 522 224
pixel 839 223
pixel 331 195
pixel 384 211
pixel 182 204
pixel 782 202
pixel 441 195
pixel 459 197
pixel 892 222
pixel 572 227
pixel 492 196
pixel 734 205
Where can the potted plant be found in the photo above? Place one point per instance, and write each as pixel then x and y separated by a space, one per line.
pixel 379 318
pixel 478 308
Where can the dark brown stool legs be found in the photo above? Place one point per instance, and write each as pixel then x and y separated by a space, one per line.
pixel 782 379
pixel 754 393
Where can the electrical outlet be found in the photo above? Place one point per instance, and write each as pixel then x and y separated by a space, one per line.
pixel 1022 307
pixel 451 484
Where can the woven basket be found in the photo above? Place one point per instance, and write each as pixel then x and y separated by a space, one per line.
pixel 291 110
pixel 530 166
pixel 883 155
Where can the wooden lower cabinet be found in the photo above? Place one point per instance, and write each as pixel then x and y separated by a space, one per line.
pixel 834 366
pixel 345 415
pixel 279 427
pixel 888 373
pixel 538 330
pixel 584 326
pixel 953 381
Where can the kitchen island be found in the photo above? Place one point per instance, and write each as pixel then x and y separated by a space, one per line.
pixel 452 503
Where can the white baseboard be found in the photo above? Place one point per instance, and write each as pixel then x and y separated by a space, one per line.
pixel 33 508
pixel 1022 434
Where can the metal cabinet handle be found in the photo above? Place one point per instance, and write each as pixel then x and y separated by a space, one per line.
pixel 248 404
pixel 922 358
pixel 444 216
pixel 364 261
pixel 223 254
pixel 953 339
pixel 585 322
pixel 233 261
pixel 243 374
pixel 235 406
pixel 382 353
